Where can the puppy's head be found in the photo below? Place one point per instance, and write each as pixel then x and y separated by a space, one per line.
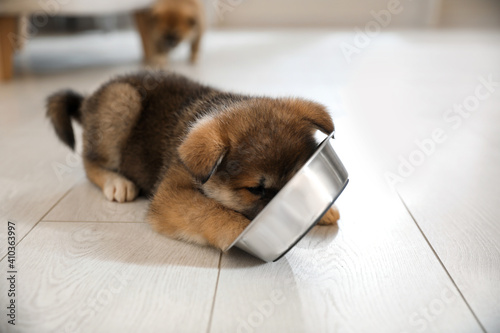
pixel 243 156
pixel 174 21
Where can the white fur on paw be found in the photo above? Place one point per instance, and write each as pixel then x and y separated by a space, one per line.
pixel 120 189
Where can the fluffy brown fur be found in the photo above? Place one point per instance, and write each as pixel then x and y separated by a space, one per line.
pixel 166 24
pixel 209 160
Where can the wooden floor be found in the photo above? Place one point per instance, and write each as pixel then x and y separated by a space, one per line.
pixel 416 250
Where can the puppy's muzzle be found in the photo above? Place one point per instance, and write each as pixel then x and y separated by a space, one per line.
pixel 171 40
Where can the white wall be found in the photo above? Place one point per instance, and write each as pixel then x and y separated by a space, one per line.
pixel 471 13
pixel 351 13
pixel 316 13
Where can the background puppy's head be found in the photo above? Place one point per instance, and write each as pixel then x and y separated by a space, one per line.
pixel 244 155
pixel 174 21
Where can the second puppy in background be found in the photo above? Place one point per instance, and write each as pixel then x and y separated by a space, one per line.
pixel 166 24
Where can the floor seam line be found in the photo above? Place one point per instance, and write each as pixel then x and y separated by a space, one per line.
pixel 40 219
pixel 441 263
pixel 215 295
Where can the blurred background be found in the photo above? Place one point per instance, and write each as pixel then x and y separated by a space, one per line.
pixel 441 14
pixel 39 18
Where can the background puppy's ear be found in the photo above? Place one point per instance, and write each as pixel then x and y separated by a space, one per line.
pixel 203 149
pixel 315 113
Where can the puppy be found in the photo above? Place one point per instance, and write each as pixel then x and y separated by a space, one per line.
pixel 209 160
pixel 166 24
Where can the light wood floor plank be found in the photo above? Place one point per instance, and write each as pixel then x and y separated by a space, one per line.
pixel 111 277
pixel 86 202
pixel 376 273
pixel 30 181
pixel 455 201
pixel 412 89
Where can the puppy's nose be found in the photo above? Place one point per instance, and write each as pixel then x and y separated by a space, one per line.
pixel 171 39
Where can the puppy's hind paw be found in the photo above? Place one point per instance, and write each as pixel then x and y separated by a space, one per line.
pixel 120 189
pixel 331 216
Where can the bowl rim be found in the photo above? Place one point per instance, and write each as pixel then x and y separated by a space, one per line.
pixel 320 147
pixel 314 223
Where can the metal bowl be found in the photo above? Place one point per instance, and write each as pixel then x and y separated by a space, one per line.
pixel 297 207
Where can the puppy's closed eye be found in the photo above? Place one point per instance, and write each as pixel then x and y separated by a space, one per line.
pixel 258 190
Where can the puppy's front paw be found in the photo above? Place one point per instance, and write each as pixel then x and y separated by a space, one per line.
pixel 331 216
pixel 193 58
pixel 120 189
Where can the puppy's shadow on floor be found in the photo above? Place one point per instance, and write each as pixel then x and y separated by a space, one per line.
pixel 136 244
pixel 316 239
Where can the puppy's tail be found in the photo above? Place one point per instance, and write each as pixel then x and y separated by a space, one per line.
pixel 61 107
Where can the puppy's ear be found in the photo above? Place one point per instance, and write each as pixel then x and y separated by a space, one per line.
pixel 203 149
pixel 314 113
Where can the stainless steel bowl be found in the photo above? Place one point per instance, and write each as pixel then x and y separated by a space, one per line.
pixel 297 207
